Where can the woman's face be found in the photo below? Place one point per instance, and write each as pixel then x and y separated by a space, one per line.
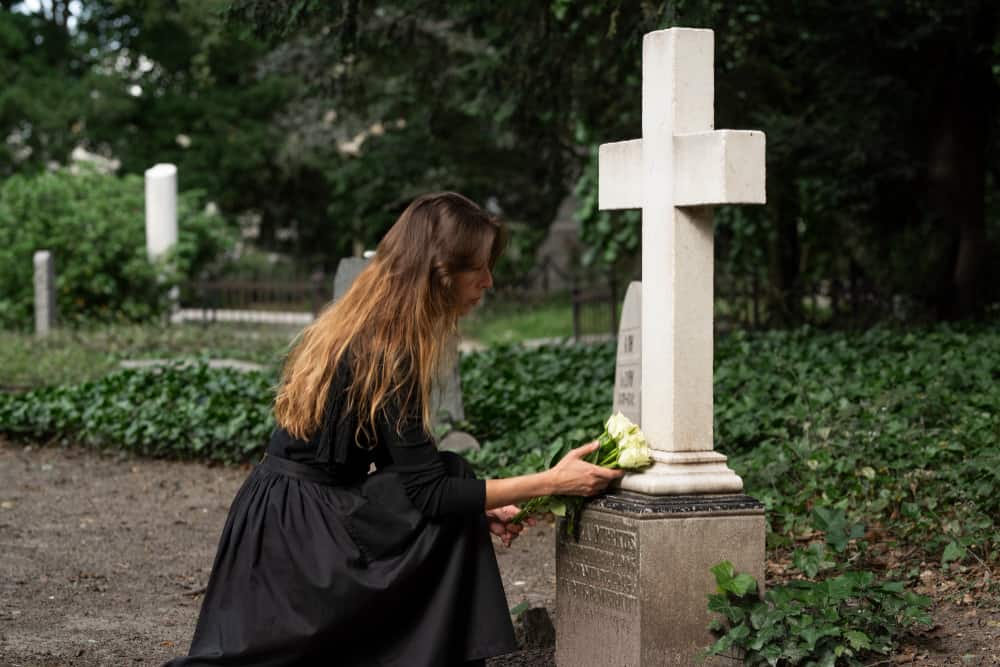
pixel 471 284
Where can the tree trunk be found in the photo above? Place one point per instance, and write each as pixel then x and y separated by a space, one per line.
pixel 785 298
pixel 956 172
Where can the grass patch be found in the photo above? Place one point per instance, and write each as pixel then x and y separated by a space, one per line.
pixel 72 356
pixel 506 322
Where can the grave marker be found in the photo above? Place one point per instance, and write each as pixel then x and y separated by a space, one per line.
pixel 161 209
pixel 45 293
pixel 628 362
pixel 677 170
pixel 633 590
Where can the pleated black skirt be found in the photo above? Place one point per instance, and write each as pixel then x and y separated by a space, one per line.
pixel 308 572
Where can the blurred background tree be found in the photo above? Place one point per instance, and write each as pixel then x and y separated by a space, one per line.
pixel 313 122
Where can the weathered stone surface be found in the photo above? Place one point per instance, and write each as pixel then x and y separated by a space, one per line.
pixel 675 172
pixel 347 271
pixel 628 362
pixel 633 590
pixel 234 364
pixel 458 441
pixel 45 292
pixel 447 399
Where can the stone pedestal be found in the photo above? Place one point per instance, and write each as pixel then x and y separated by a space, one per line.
pixel 633 591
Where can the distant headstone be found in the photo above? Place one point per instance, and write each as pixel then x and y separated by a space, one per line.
pixel 45 293
pixel 448 398
pixel 347 272
pixel 458 441
pixel 161 209
pixel 558 253
pixel 628 362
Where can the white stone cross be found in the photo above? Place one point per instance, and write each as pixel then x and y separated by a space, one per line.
pixel 675 173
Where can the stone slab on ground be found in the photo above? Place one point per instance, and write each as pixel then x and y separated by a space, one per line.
pixel 235 364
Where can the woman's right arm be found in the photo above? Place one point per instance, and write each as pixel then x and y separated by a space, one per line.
pixel 572 476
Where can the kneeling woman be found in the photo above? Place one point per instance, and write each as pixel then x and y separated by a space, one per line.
pixel 322 562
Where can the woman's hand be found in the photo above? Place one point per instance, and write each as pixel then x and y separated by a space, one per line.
pixel 573 476
pixel 500 525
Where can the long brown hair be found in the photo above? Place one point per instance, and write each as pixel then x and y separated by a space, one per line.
pixel 393 325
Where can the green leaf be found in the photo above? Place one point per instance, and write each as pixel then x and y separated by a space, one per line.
pixel 519 608
pixel 858 639
pixel 953 551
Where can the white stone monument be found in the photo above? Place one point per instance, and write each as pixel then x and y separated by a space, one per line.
pixel 675 173
pixel 161 210
pixel 45 293
pixel 633 589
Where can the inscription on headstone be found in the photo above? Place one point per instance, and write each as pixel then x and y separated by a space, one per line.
pixel 628 363
pixel 602 568
pixel 597 580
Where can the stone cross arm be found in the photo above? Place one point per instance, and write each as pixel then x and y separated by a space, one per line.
pixel 714 167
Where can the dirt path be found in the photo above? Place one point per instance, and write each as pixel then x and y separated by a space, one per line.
pixel 102 562
pixel 103 559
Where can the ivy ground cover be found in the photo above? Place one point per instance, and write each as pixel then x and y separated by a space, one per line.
pixel 897 430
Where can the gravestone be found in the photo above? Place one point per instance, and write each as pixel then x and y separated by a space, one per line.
pixel 348 271
pixel 45 293
pixel 628 362
pixel 161 219
pixel 161 209
pixel 633 590
pixel 446 400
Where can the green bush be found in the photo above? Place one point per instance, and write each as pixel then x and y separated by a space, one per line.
pixel 523 403
pixel 896 429
pixel 94 224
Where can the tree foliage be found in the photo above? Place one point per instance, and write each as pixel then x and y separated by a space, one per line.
pixel 318 121
pixel 93 225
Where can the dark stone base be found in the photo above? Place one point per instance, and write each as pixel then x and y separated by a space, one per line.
pixel 642 506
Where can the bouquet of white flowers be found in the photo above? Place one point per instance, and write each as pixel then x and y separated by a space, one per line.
pixel 622 445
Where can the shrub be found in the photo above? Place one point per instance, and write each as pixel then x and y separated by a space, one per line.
pixel 840 619
pixel 897 429
pixel 182 411
pixel 94 224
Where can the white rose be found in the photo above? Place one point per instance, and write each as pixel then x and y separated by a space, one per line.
pixel 633 440
pixel 633 458
pixel 618 426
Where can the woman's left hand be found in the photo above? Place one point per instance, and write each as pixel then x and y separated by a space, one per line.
pixel 500 525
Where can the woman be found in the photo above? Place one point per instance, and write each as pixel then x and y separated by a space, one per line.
pixel 322 560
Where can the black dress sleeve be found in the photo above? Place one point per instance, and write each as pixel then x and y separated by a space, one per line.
pixel 433 488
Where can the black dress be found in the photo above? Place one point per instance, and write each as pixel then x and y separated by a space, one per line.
pixel 322 563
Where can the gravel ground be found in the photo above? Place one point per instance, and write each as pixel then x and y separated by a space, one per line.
pixel 104 560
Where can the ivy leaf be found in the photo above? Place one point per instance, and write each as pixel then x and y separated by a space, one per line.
pixel 953 551
pixel 858 639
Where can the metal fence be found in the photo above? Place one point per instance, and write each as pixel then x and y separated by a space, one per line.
pixel 258 301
